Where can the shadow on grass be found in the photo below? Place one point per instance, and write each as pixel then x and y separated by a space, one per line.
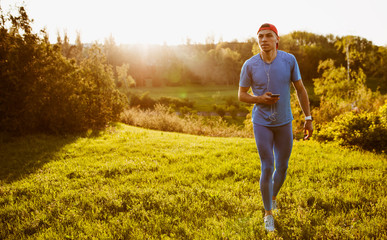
pixel 21 156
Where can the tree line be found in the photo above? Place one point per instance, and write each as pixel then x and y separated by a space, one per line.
pixel 210 63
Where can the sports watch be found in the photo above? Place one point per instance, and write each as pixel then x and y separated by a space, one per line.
pixel 308 118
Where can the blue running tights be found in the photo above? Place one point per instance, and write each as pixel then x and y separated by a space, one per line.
pixel 274 146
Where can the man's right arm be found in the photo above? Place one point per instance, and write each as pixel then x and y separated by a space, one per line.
pixel 246 97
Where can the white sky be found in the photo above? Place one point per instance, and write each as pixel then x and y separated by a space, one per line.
pixel 173 21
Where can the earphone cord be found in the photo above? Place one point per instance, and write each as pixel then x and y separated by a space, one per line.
pixel 273 112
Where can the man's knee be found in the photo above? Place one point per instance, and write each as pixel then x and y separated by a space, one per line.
pixel 281 171
pixel 267 172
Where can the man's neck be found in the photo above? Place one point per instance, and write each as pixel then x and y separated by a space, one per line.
pixel 268 56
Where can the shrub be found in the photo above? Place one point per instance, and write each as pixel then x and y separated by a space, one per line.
pixel 104 103
pixel 162 118
pixel 186 110
pixel 328 110
pixel 339 94
pixel 366 130
pixel 144 101
pixel 43 91
pixel 220 110
pixel 233 111
pixel 232 101
pixel 177 102
pixel 383 113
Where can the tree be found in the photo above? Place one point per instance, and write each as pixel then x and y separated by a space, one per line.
pixel 225 65
pixel 18 47
pixel 338 94
pixel 42 90
pixel 124 78
pixel 309 49
pixel 78 48
pixel 111 51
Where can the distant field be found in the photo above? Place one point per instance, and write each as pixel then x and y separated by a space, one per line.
pixel 133 183
pixel 203 96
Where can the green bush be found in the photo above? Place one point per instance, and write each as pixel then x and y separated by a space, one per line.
pixel 177 102
pixel 365 130
pixel 144 101
pixel 187 111
pixel 104 103
pixel 220 110
pixel 383 113
pixel 43 91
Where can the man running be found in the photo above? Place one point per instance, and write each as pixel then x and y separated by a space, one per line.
pixel 269 75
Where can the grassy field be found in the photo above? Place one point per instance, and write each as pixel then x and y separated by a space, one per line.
pixel 204 97
pixel 132 183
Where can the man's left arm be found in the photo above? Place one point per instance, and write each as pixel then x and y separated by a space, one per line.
pixel 303 99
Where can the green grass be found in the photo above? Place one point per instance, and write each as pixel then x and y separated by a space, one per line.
pixel 204 97
pixel 132 183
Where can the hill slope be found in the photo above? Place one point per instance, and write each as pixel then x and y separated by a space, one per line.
pixel 132 183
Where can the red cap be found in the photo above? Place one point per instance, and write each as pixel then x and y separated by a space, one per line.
pixel 268 26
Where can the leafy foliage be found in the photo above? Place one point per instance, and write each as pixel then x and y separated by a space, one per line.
pixel 124 78
pixel 42 90
pixel 366 130
pixel 144 101
pixel 347 101
pixel 340 93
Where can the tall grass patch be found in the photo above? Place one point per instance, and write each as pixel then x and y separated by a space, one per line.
pixel 163 119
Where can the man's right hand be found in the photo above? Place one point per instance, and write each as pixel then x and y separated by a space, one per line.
pixel 268 99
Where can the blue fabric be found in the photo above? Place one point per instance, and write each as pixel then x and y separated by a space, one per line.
pixel 282 71
pixel 274 146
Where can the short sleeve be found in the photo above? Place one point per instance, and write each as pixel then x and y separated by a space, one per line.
pixel 245 76
pixel 296 74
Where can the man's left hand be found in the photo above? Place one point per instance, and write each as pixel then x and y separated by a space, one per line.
pixel 308 129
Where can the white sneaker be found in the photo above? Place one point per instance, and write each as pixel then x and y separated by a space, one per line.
pixel 269 223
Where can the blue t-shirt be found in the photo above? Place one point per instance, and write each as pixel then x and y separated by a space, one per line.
pixel 282 71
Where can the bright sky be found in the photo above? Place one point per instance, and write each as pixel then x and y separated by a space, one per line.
pixel 173 21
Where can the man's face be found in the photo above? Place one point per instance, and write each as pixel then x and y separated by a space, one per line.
pixel 267 40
